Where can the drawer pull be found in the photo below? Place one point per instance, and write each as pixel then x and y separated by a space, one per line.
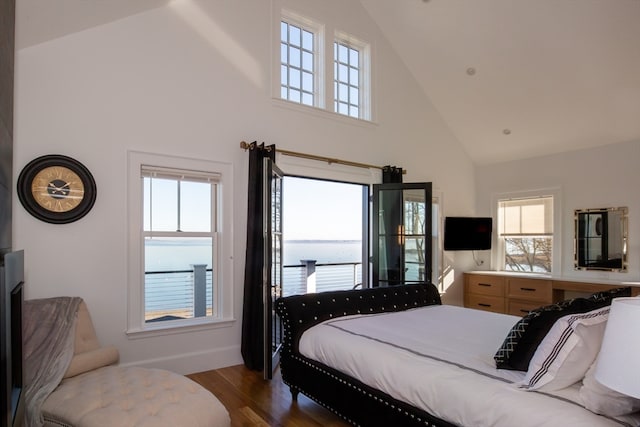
pixel 485 284
pixel 528 289
pixel 484 305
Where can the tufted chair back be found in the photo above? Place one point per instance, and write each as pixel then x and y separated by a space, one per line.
pixel 88 354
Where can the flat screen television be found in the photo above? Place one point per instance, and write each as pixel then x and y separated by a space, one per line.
pixel 467 233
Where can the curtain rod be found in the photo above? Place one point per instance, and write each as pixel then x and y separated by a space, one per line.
pixel 245 146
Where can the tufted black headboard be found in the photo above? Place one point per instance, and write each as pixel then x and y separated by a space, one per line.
pixel 300 312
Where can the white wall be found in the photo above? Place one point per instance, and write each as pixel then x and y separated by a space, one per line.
pixel 594 178
pixel 193 79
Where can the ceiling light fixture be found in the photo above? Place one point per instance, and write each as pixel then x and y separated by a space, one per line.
pixel 471 71
pixel 506 131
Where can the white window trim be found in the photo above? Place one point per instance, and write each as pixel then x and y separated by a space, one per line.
pixel 224 293
pixel 556 257
pixel 364 59
pixel 317 29
pixel 324 72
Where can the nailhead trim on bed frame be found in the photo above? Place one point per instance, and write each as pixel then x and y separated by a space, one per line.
pixel 301 312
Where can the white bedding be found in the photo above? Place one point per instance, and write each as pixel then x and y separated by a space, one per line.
pixel 445 367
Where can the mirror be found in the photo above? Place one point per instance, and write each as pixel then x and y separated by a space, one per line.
pixel 601 239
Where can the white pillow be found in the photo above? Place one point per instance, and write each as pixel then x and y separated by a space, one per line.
pixel 602 400
pixel 566 352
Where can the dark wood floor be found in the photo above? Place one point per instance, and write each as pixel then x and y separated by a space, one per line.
pixel 252 401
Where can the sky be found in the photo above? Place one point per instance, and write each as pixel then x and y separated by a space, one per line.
pixel 312 209
pixel 321 210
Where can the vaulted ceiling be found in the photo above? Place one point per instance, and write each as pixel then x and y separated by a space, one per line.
pixel 513 79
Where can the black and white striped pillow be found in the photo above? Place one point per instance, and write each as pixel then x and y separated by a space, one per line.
pixel 565 354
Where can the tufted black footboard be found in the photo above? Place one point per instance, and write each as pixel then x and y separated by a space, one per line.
pixel 352 400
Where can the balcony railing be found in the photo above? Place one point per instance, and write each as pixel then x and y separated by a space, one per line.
pixel 327 277
pixel 172 294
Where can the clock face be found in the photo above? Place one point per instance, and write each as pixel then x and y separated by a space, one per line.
pixel 56 189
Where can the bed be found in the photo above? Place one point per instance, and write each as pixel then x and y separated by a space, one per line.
pixel 394 356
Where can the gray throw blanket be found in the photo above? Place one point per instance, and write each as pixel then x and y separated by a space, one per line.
pixel 48 334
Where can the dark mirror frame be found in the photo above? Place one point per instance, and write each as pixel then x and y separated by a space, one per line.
pixel 601 239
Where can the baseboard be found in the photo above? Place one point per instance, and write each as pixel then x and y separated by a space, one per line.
pixel 189 363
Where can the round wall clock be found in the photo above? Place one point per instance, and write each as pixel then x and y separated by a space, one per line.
pixel 56 189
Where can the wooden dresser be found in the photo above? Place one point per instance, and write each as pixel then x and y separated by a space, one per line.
pixel 517 295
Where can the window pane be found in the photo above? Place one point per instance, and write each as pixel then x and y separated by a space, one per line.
pixel 343 108
pixel 343 73
pixel 354 57
pixel 354 111
pixel 307 61
pixel 177 284
pixel 164 204
pixel 343 93
pixel 283 75
pixel 195 206
pixel 343 53
pixel 294 78
pixel 284 57
pixel 283 31
pixel 307 99
pixel 353 96
pixel 353 76
pixel 294 95
pixel 307 40
pixel 530 254
pixel 294 35
pixel 283 92
pixel 294 57
pixel 307 82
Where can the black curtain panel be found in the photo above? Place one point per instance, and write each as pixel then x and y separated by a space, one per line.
pixel 252 347
pixel 391 175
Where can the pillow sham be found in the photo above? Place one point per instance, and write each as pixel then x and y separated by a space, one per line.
pixel 523 339
pixel 567 351
pixel 604 401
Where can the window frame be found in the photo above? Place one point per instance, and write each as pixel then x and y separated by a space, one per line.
pixel 364 73
pixel 223 280
pixel 317 30
pixel 498 256
pixel 324 76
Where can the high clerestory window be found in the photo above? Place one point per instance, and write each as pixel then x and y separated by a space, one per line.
pixel 304 76
pixel 348 90
pixel 297 64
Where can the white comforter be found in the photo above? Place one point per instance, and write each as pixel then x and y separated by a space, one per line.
pixel 440 359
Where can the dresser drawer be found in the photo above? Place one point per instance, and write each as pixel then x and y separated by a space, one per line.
pixel 485 302
pixel 485 285
pixel 530 290
pixel 521 308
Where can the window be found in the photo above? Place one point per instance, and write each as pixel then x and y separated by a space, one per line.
pixel 525 233
pixel 176 272
pixel 179 243
pixel 306 74
pixel 346 79
pixel 298 63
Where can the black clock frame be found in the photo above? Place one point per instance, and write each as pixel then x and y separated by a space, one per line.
pixel 30 171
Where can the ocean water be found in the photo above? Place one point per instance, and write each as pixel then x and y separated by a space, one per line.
pixel 323 251
pixel 178 254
